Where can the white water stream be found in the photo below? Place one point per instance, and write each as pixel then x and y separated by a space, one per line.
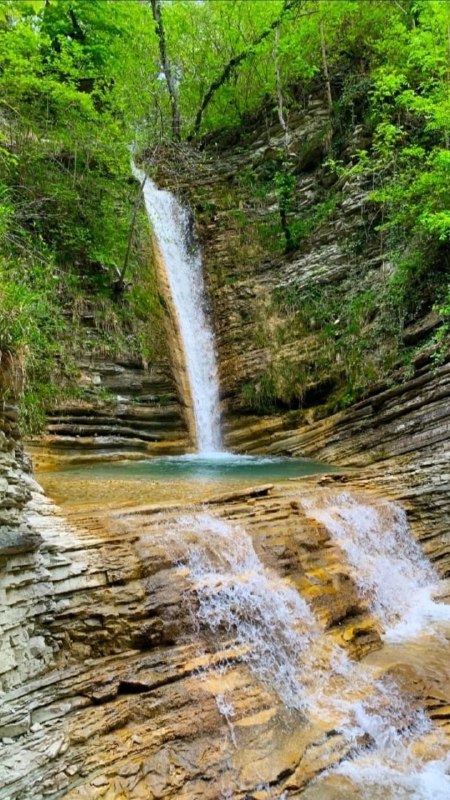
pixel 393 749
pixel 391 572
pixel 171 225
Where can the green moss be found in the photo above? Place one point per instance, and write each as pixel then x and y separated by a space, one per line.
pixel 356 327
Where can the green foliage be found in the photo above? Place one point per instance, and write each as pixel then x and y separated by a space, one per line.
pixel 357 328
pixel 31 330
pixel 75 95
pixel 66 198
pixel 305 224
pixel 261 395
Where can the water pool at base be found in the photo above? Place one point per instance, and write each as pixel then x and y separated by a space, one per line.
pixel 191 477
pixel 217 466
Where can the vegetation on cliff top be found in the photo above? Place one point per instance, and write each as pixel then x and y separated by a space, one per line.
pixel 81 80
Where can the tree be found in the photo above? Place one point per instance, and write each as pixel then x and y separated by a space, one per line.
pixel 234 62
pixel 167 69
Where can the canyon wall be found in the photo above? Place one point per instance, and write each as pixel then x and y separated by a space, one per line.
pixel 108 689
pixel 399 429
pixel 118 407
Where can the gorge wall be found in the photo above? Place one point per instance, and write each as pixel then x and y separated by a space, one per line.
pixel 279 328
pixel 119 406
pixel 283 387
pixel 106 688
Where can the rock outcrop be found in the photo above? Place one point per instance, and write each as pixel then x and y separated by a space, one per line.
pixel 127 410
pixel 119 694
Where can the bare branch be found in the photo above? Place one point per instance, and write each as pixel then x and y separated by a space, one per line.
pixel 167 69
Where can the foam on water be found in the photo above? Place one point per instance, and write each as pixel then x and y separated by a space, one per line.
pixel 172 227
pixel 389 568
pixel 235 597
pixel 417 780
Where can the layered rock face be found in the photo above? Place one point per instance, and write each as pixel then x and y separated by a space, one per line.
pixel 113 684
pixel 24 650
pixel 400 432
pixel 236 211
pixel 128 410
pixel 142 700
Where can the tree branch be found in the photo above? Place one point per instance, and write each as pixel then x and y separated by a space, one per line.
pixel 234 63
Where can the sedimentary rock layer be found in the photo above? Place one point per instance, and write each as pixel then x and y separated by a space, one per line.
pixel 117 693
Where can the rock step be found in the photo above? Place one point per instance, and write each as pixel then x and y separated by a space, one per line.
pixel 55 424
pixel 93 442
pixel 102 430
pixel 124 407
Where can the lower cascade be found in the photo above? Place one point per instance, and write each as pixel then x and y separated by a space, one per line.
pixel 390 747
pixel 268 642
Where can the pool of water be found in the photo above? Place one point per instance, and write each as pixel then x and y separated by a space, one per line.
pixel 218 466
pixel 190 478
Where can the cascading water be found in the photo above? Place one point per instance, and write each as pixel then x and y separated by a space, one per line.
pixel 389 567
pixel 183 265
pixel 236 593
pixel 391 748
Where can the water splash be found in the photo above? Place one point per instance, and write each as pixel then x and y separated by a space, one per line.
pixel 234 596
pixel 171 224
pixel 391 572
pixel 416 780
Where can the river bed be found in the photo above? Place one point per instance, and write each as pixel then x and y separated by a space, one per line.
pixel 385 714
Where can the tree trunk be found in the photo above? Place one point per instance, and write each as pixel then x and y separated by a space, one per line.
pixel 327 83
pixel 165 63
pixel 325 67
pixel 119 284
pixel 280 103
pixel 283 198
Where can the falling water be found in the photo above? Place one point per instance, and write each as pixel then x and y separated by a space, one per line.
pixel 391 572
pixel 171 224
pixel 236 593
pixel 233 595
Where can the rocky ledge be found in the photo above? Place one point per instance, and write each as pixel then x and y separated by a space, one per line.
pixel 126 410
pixel 113 689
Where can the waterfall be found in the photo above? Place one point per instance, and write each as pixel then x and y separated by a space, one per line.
pixel 182 263
pixel 390 747
pixel 391 572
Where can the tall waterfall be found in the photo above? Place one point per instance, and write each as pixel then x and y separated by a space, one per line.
pixel 183 267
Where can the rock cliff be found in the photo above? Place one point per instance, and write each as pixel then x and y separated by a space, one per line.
pixel 112 690
pixel 123 408
pixel 283 386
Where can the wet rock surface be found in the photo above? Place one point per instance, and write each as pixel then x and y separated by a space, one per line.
pixel 114 691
